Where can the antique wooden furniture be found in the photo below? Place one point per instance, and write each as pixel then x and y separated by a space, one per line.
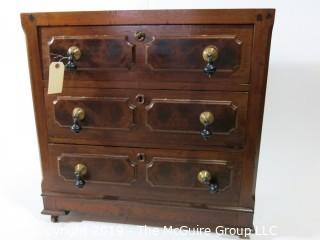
pixel 160 116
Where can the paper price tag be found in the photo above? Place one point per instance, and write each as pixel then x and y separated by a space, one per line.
pixel 56 73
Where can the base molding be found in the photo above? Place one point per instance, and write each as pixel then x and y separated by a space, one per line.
pixel 147 214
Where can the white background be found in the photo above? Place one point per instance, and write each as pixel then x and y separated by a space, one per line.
pixel 288 178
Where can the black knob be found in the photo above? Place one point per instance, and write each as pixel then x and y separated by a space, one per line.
pixel 210 68
pixel 79 181
pixel 205 132
pixel 213 187
pixel 76 127
pixel 71 64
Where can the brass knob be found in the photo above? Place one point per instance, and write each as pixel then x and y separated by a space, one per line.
pixel 210 53
pixel 204 176
pixel 206 118
pixel 78 115
pixel 80 170
pixel 75 52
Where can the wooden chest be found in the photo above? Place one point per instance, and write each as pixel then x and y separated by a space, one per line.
pixel 160 116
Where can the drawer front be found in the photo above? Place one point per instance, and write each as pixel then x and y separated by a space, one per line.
pixel 152 174
pixel 115 56
pixel 148 118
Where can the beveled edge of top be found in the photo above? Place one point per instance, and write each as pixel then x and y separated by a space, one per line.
pixel 148 17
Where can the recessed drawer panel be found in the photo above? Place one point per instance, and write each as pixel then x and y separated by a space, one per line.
pixel 183 115
pixel 154 174
pixel 185 53
pixel 100 112
pixel 175 118
pixel 102 168
pixel 177 56
pixel 182 173
pixel 97 53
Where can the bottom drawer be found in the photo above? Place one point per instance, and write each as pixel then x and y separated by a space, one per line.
pixel 183 177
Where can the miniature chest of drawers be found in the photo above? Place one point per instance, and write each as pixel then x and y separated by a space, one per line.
pixel 160 116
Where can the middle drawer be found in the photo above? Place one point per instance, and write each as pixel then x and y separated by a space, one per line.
pixel 148 118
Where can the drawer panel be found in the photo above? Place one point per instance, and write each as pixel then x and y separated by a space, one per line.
pixel 158 174
pixel 120 117
pixel 182 116
pixel 101 112
pixel 101 52
pixel 173 55
pixel 181 173
pixel 177 53
pixel 102 168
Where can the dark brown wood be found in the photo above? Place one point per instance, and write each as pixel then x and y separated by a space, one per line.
pixel 112 54
pixel 151 214
pixel 54 219
pixel 141 83
pixel 115 117
pixel 102 168
pixel 98 52
pixel 118 173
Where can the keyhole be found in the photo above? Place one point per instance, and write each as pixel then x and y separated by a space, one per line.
pixel 139 36
pixel 140 156
pixel 140 98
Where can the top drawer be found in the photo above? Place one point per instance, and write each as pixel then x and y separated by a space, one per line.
pixel 143 56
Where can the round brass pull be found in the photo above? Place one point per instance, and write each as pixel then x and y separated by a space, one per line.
pixel 206 178
pixel 206 119
pixel 80 170
pixel 78 115
pixel 73 55
pixel 75 52
pixel 210 54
